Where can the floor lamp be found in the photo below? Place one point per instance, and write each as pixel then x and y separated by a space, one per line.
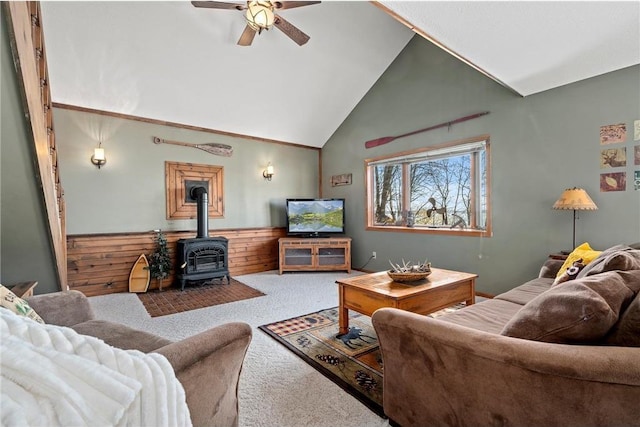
pixel 575 199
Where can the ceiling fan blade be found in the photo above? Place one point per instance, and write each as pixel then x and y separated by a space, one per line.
pixel 292 4
pixel 247 36
pixel 218 5
pixel 292 32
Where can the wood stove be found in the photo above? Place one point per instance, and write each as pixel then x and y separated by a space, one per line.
pixel 201 258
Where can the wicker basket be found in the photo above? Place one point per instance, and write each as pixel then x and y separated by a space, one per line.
pixel 408 277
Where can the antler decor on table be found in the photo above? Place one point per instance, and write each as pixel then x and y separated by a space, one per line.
pixel 212 148
pixel 409 272
pixel 388 139
pixel 409 267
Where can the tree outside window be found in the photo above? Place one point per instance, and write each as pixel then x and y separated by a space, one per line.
pixel 443 189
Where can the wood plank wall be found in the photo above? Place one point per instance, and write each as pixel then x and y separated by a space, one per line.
pixel 99 264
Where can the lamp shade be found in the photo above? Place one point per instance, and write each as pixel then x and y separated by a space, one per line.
pixel 268 172
pixel 98 154
pixel 575 199
pixel 98 158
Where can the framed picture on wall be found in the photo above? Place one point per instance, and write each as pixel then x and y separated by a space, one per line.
pixel 613 158
pixel 611 134
pixel 615 181
pixel 344 179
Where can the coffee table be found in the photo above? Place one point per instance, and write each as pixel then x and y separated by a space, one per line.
pixel 369 292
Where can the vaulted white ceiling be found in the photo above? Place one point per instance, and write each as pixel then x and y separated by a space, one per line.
pixel 533 46
pixel 173 62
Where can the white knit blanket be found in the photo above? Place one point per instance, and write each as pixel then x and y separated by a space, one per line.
pixel 52 375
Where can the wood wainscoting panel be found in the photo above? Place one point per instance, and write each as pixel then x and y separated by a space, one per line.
pixel 99 264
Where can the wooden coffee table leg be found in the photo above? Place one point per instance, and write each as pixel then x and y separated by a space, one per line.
pixel 343 313
pixel 472 300
pixel 343 321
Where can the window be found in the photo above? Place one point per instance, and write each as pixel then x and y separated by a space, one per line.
pixel 442 189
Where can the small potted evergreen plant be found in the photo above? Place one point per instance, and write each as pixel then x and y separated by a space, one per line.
pixel 159 260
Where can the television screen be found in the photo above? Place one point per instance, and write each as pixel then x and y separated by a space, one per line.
pixel 315 217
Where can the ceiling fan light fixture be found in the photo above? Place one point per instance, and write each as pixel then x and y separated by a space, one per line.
pixel 260 15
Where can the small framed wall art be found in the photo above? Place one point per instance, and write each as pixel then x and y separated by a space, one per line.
pixel 615 181
pixel 344 179
pixel 611 134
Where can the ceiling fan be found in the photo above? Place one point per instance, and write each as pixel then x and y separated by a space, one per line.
pixel 260 15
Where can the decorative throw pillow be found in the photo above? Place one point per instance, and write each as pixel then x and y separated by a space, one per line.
pixel 579 311
pixel 19 306
pixel 570 273
pixel 583 251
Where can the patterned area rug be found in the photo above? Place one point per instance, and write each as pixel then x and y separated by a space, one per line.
pixel 173 300
pixel 352 361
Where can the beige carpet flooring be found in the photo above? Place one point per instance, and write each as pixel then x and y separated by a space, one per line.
pixel 277 388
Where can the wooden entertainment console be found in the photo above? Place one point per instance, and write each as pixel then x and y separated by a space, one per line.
pixel 314 254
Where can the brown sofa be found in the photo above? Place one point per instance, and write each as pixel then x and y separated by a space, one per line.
pixel 470 368
pixel 207 365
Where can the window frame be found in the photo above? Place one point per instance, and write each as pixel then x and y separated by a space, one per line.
pixel 416 154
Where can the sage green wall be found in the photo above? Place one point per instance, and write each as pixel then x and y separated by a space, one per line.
pixel 25 246
pixel 128 193
pixel 540 145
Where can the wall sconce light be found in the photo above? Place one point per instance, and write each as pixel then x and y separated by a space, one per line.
pixel 98 157
pixel 268 172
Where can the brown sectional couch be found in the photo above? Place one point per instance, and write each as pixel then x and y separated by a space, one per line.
pixel 207 365
pixel 463 368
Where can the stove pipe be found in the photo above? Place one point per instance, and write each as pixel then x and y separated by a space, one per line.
pixel 200 194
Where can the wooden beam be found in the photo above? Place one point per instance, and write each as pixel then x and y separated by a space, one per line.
pixel 27 43
pixel 176 125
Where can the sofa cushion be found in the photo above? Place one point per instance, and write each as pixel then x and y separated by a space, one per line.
pixel 620 257
pixel 584 252
pixel 121 336
pixel 626 332
pixel 488 316
pixel 10 301
pixel 526 292
pixel 579 311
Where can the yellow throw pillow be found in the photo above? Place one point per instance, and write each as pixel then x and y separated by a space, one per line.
pixel 583 251
pixel 19 306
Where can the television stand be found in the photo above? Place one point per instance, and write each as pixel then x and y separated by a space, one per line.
pixel 314 254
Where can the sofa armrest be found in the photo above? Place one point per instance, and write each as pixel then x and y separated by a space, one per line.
pixel 65 308
pixel 208 366
pixel 439 373
pixel 550 268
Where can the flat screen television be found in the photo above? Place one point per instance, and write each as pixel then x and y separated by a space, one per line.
pixel 315 217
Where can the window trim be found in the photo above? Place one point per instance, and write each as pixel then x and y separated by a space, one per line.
pixel 414 153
